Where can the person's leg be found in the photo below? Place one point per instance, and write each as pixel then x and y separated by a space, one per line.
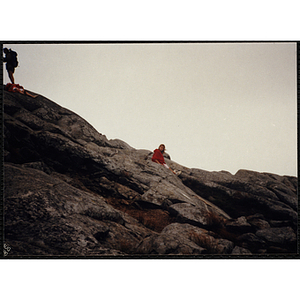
pixel 165 165
pixel 33 96
pixel 11 76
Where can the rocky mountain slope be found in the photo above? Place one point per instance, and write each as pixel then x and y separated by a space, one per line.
pixel 69 191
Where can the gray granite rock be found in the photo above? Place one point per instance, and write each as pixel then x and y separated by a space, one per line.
pixel 71 191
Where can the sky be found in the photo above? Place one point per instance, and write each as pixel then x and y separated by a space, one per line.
pixel 216 106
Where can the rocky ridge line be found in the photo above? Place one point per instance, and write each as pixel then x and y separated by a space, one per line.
pixel 71 191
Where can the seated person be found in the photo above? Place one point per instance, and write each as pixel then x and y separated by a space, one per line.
pixel 16 88
pixel 159 158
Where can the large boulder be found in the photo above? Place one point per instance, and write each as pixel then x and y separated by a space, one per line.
pixel 247 193
pixel 187 239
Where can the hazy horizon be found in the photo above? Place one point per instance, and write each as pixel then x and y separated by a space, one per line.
pixel 216 106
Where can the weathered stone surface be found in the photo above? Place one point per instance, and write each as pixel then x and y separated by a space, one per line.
pixel 257 221
pixel 251 241
pixel 201 237
pixel 60 219
pixel 246 192
pixel 71 191
pixel 239 225
pixel 240 251
pixel 278 236
pixel 169 244
pixel 179 238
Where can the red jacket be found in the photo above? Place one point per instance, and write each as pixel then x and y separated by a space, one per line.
pixel 14 88
pixel 158 156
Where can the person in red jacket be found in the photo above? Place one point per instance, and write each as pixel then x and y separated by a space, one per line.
pixel 16 88
pixel 158 157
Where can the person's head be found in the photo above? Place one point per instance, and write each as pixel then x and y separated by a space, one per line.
pixel 162 148
pixel 5 50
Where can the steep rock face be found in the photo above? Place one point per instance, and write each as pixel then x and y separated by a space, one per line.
pixel 71 191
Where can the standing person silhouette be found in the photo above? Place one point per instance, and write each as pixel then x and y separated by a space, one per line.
pixel 11 63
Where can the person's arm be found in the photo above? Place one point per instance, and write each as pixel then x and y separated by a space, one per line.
pixel 157 161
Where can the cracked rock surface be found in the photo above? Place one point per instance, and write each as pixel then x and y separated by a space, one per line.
pixel 69 191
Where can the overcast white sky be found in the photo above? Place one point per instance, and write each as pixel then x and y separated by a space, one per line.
pixel 216 106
